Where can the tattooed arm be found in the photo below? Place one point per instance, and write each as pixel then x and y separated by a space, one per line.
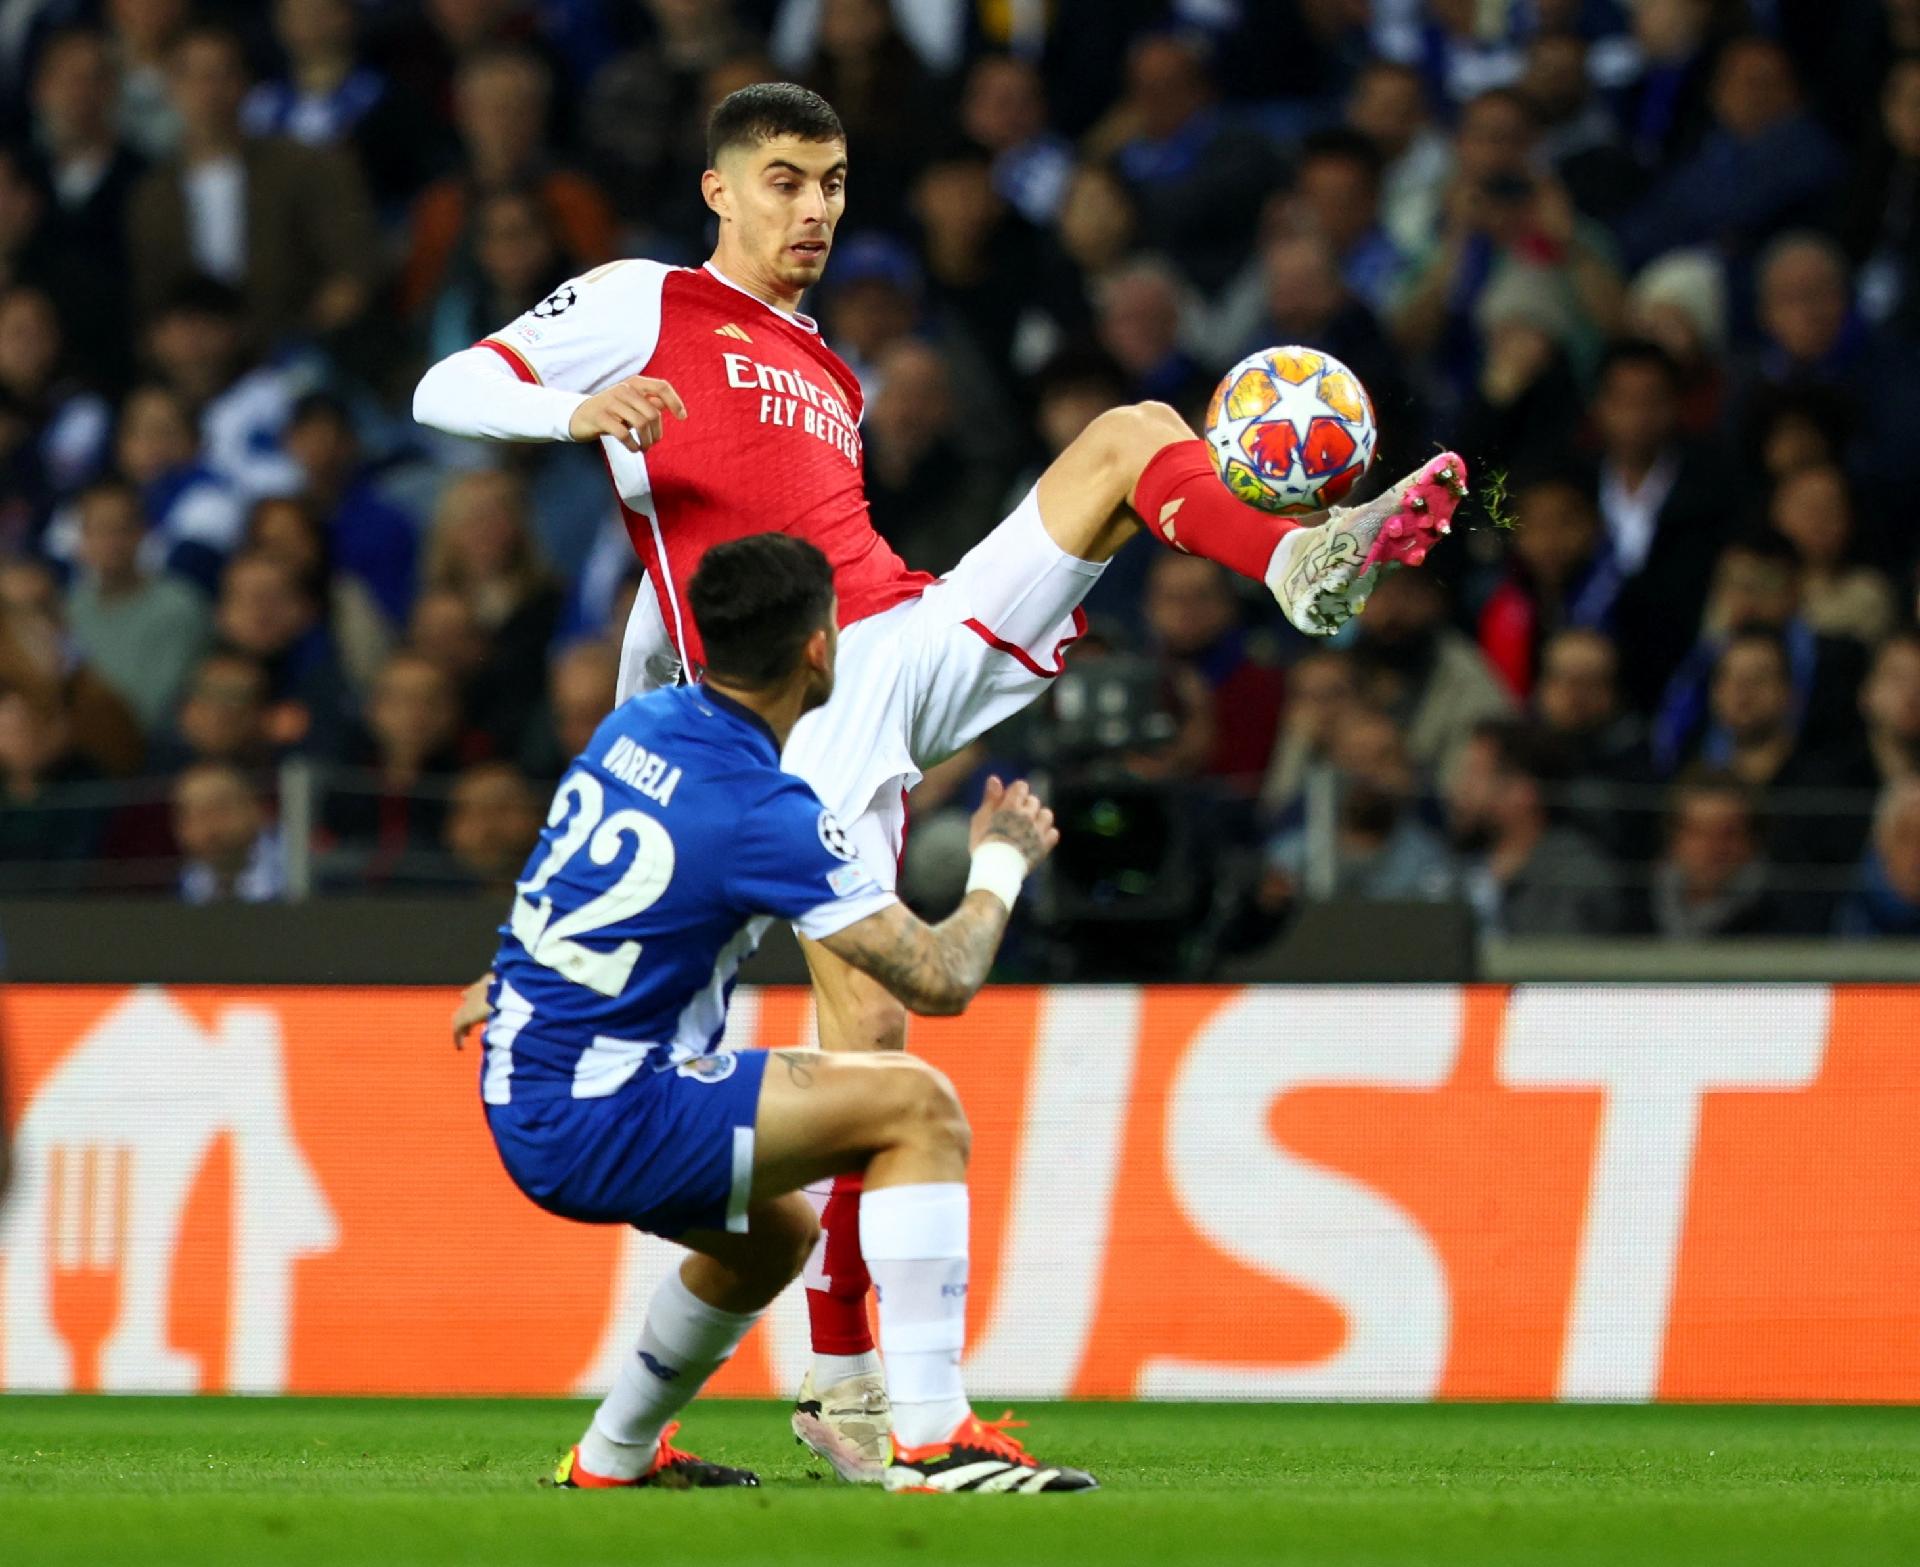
pixel 936 969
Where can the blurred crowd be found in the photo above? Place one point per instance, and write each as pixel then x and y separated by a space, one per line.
pixel 1653 266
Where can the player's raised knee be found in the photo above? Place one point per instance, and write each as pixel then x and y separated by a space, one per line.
pixel 1122 439
pixel 935 1113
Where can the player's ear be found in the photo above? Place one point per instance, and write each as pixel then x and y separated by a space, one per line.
pixel 713 190
pixel 820 650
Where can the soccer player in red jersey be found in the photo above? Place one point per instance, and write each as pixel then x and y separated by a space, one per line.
pixel 721 413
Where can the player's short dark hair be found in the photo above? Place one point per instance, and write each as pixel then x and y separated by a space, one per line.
pixel 756 601
pixel 768 109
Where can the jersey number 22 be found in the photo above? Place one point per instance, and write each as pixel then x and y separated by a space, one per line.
pixel 554 942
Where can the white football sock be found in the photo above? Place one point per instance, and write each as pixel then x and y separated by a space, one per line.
pixel 683 1343
pixel 832 1370
pixel 915 1240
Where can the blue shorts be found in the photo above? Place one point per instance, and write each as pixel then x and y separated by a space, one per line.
pixel 669 1151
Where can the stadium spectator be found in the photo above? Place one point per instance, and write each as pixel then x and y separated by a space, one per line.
pixel 1560 574
pixel 1504 228
pixel 502 95
pixel 931 499
pixel 143 34
pixel 482 548
pixel 50 807
pixel 1336 195
pixel 1322 689
pixel 1885 898
pixel 1429 675
pixel 1380 850
pixel 1664 509
pixel 365 534
pixel 1525 873
pixel 1890 708
pixel 197 343
pixel 230 853
pixel 70 426
pixel 1814 337
pixel 1663 107
pixel 291 532
pixel 644 120
pixel 1880 216
pixel 1756 587
pixel 1579 139
pixel 1143 311
pixel 1098 229
pixel 224 715
pixel 1578 705
pixel 1197 624
pixel 1764 165
pixel 516 262
pixel 978 256
pixel 142 633
pixel 1189 164
pixel 288 226
pixel 268 613
pixel 37 657
pixel 1813 509
pixel 580 691
pixel 1713 880
pixel 1756 734
pixel 493 822
pixel 1525 403
pixel 329 97
pixel 872 299
pixel 1298 297
pixel 387 812
pixel 1388 105
pixel 860 62
pixel 89 174
pixel 1460 52
pixel 1679 302
pixel 1004 109
pixel 194 516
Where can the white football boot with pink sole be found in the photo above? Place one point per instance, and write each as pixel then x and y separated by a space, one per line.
pixel 1322 575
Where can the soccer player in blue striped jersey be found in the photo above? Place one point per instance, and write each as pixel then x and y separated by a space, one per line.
pixel 672 842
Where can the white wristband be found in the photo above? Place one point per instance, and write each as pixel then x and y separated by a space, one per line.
pixel 998 868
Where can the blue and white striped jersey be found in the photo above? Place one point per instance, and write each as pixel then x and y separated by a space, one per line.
pixel 671 844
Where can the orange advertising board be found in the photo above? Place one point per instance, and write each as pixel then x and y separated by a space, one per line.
pixel 1315 1192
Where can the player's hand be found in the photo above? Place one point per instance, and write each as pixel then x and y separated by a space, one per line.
pixel 472 1011
pixel 633 412
pixel 1012 813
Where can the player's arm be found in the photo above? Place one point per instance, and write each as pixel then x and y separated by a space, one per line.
pixel 562 372
pixel 937 969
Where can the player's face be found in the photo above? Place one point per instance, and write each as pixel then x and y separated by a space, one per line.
pixel 779 203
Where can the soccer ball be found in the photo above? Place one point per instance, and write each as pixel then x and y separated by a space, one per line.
pixel 1290 429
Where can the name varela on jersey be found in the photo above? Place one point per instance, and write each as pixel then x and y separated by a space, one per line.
pixel 789 399
pixel 641 770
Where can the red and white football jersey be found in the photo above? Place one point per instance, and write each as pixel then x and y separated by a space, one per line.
pixel 771 441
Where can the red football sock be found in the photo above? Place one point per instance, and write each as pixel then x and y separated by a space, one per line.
pixel 837 1307
pixel 1180 498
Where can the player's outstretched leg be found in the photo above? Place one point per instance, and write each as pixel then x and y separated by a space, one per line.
pixel 901 1119
pixel 695 1321
pixel 1140 468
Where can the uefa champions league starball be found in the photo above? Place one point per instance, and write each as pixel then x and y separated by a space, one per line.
pixel 1291 429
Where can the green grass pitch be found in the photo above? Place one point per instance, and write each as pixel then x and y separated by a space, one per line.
pixel 150 1482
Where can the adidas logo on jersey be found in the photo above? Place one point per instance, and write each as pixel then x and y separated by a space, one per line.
pixel 730 330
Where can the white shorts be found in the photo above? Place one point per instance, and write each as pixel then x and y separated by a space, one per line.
pixel 922 680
